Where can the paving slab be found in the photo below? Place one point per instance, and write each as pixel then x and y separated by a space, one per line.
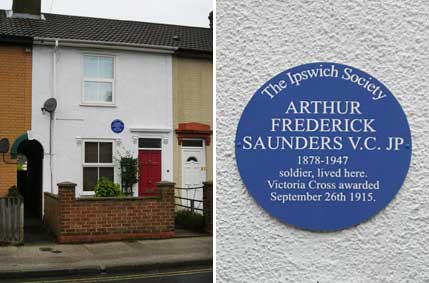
pixel 55 259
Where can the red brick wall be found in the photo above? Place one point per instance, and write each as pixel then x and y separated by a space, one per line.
pixel 15 103
pixel 104 219
pixel 208 206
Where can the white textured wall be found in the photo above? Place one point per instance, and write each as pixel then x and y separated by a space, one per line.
pixel 143 90
pixel 258 39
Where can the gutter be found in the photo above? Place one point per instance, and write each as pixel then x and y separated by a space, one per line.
pixel 105 45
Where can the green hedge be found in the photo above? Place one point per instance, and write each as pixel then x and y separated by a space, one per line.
pixel 190 220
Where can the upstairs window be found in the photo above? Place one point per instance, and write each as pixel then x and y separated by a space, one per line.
pixel 98 85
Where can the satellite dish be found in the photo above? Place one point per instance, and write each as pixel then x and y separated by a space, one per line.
pixel 4 145
pixel 50 105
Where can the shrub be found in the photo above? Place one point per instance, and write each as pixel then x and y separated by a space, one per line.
pixel 129 167
pixel 190 220
pixel 106 188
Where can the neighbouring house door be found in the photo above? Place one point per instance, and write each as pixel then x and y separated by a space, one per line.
pixel 193 171
pixel 149 171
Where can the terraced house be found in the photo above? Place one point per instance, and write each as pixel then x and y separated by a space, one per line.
pixel 77 94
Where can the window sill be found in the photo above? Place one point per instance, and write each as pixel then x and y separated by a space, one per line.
pixel 97 105
pixel 87 194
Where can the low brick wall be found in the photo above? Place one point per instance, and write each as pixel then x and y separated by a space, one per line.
pixel 93 219
pixel 208 206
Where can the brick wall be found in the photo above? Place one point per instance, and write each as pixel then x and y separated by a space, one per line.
pixel 103 219
pixel 208 206
pixel 15 103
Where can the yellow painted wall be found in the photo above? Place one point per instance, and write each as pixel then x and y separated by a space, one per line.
pixel 192 102
pixel 15 103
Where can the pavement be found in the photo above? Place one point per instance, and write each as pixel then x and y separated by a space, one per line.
pixel 50 259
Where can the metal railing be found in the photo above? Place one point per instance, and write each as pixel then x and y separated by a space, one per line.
pixel 12 220
pixel 192 207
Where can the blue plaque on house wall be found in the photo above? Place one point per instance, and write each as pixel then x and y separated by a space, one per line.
pixel 323 146
pixel 117 126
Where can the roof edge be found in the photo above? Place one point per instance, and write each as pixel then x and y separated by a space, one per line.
pixel 181 52
pixel 20 40
pixel 104 45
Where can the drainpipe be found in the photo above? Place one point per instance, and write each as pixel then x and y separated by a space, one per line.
pixel 52 115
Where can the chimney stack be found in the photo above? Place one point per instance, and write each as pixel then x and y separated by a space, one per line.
pixel 211 19
pixel 29 7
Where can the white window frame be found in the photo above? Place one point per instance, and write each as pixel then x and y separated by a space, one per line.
pixel 98 80
pixel 97 165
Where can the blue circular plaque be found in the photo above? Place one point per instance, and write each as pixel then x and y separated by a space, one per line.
pixel 117 126
pixel 323 146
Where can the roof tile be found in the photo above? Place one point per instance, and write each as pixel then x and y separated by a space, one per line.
pixel 108 30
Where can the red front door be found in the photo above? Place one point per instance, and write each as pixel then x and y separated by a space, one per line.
pixel 149 171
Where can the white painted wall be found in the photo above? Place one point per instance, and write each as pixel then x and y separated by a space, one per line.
pixel 143 90
pixel 258 39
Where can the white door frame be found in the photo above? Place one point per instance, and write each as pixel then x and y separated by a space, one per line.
pixel 166 150
pixel 197 193
pixel 203 160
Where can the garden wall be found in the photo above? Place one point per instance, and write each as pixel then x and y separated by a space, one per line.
pixel 91 219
